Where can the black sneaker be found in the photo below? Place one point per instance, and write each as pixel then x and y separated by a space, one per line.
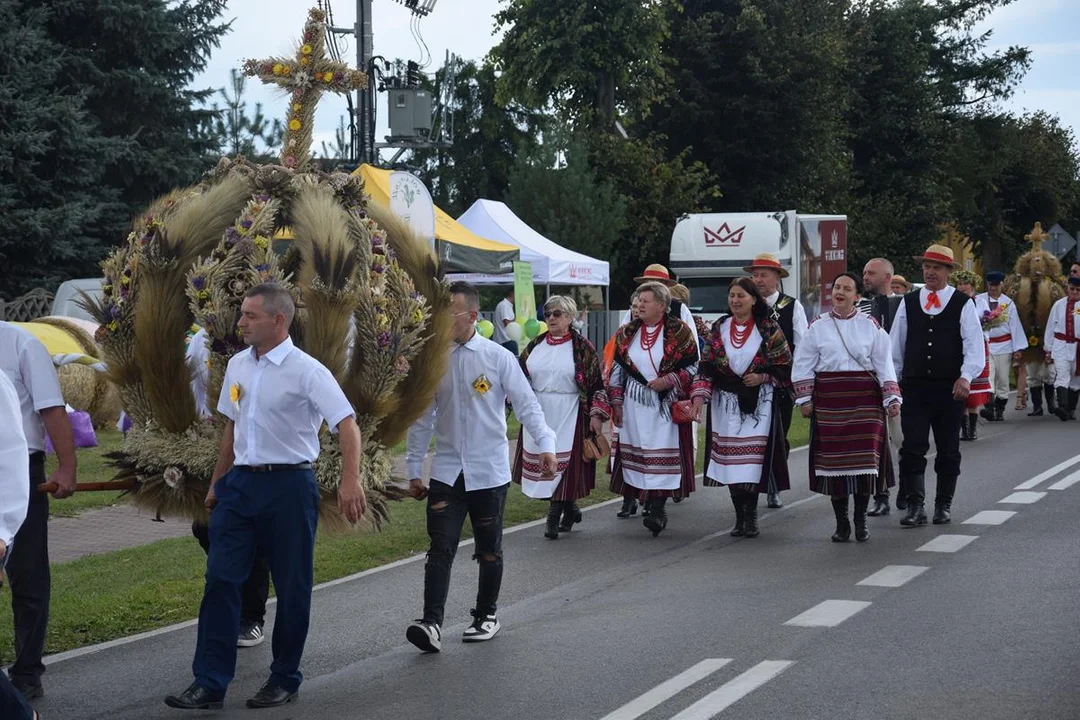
pixel 484 627
pixel 425 635
pixel 29 691
pixel 251 634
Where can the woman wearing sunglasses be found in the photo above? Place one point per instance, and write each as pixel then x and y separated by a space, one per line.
pixel 564 370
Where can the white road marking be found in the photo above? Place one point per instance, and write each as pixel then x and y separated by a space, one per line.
pixel 1024 497
pixel 1067 483
pixel 667 690
pixel 894 575
pixel 1047 474
pixel 829 613
pixel 989 517
pixel 947 543
pixel 734 690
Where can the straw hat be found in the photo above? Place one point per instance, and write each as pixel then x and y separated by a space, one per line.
pixel 655 273
pixel 938 254
pixel 767 261
pixel 902 280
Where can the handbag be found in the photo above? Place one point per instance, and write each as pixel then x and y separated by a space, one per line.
pixel 595 447
pixel 682 412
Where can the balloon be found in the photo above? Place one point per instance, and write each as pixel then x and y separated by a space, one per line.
pixel 485 328
pixel 532 328
pixel 513 331
pixel 543 328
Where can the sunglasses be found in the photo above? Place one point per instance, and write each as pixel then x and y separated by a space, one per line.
pixel 553 313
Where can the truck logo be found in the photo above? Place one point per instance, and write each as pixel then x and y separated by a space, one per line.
pixel 724 235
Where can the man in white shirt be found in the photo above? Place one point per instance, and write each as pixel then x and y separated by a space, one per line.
pixel 938 348
pixel 504 315
pixel 264 497
pixel 30 369
pixel 257 587
pixel 1008 341
pixel 1062 344
pixel 470 472
pixel 767 273
pixel 14 499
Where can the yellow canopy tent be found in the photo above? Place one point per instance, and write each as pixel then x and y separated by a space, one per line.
pixel 459 249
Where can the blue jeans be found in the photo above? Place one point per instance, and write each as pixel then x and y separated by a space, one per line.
pixel 274 514
pixel 13 705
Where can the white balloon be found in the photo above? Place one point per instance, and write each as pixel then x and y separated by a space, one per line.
pixel 514 332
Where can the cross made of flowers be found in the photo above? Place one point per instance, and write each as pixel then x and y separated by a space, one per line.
pixel 305 77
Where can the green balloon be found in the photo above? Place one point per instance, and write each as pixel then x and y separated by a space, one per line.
pixel 532 328
pixel 485 328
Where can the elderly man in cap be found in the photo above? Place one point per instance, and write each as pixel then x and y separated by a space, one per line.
pixel 767 273
pixel 1062 343
pixel 938 348
pixel 1007 342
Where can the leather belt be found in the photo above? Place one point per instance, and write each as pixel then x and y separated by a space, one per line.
pixel 274 468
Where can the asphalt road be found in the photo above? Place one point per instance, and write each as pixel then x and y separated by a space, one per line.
pixel 609 623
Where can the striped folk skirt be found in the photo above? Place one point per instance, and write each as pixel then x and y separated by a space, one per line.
pixel 578 474
pixel 639 460
pixel 849 449
pixel 981 391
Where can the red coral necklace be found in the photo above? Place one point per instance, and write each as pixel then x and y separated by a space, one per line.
pixel 739 332
pixel 552 340
pixel 648 340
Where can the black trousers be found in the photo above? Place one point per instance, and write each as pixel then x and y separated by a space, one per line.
pixel 929 406
pixel 13 705
pixel 31 581
pixel 786 405
pixel 256 588
pixel 446 510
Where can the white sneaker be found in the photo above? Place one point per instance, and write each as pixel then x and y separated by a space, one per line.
pixel 484 627
pixel 425 635
pixel 251 634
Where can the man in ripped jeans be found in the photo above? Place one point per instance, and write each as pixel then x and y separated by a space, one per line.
pixel 471 469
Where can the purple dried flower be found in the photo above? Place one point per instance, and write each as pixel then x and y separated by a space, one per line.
pixel 384 339
pixel 198 282
pixel 246 223
pixel 378 268
pixel 262 267
pixel 114 312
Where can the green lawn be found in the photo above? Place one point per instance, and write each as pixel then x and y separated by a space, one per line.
pixel 104 597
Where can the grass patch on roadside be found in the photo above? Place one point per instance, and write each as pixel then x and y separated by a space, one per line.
pixel 103 597
pixel 93 467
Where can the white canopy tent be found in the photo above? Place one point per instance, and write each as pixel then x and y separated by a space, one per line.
pixel 552 264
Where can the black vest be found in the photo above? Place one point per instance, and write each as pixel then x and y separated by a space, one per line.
pixel 934 349
pixel 675 309
pixel 785 317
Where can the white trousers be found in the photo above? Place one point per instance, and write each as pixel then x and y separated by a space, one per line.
pixel 1066 377
pixel 999 375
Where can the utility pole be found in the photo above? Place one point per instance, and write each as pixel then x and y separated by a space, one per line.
pixel 362 31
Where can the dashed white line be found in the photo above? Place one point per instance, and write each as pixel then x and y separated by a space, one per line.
pixel 948 543
pixel 1067 483
pixel 734 690
pixel 1024 497
pixel 667 690
pixel 829 613
pixel 1047 474
pixel 893 576
pixel 989 517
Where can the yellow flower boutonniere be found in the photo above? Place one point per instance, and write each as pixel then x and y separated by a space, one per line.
pixel 482 385
pixel 1033 341
pixel 234 396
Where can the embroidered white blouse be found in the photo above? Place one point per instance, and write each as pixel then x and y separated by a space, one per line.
pixel 823 350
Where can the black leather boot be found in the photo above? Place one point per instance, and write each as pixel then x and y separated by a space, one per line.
pixel 1036 402
pixel 571 514
pixel 881 505
pixel 1074 397
pixel 1062 409
pixel 946 488
pixel 750 525
pixel 656 520
pixel 774 501
pixel 987 412
pixel 999 409
pixel 916 513
pixel 973 427
pixel 629 508
pixel 1051 399
pixel 738 500
pixel 843 525
pixel 862 533
pixel 964 431
pixel 551 529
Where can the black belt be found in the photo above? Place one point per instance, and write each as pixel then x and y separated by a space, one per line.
pixel 274 468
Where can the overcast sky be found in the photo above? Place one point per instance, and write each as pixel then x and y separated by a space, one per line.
pixel 1051 28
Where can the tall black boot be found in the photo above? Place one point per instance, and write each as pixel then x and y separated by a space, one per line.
pixel 999 408
pixel 881 505
pixel 916 512
pixel 738 499
pixel 629 508
pixel 1036 402
pixel 946 488
pixel 973 426
pixel 1062 409
pixel 987 411
pixel 571 514
pixel 656 520
pixel 965 434
pixel 1051 398
pixel 843 525
pixel 750 525
pixel 551 529
pixel 1074 397
pixel 862 533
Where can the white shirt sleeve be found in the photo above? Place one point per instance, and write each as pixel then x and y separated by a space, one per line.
pixel 688 317
pixel 898 335
pixel 974 343
pixel 523 399
pixel 39 376
pixel 197 355
pixel 224 405
pixel 804 368
pixel 418 441
pixel 328 397
pixel 881 360
pixel 799 323
pixel 504 313
pixel 1016 328
pixel 1055 321
pixel 14 464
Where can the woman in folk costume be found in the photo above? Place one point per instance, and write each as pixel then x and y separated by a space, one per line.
pixel 564 370
pixel 655 361
pixel 981 389
pixel 745 364
pixel 845 382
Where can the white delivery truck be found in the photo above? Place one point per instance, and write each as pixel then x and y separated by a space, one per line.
pixel 708 250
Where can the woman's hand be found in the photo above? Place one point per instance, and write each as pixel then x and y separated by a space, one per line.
pixel 596 425
pixel 807 410
pixel 754 379
pixel 616 416
pixel 894 410
pixel 661 383
pixel 697 403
